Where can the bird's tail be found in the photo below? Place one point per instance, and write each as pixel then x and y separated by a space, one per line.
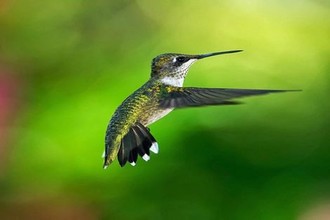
pixel 138 141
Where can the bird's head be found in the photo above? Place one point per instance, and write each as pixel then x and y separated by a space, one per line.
pixel 172 68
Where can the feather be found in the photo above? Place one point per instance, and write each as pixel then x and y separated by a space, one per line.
pixel 179 97
pixel 138 141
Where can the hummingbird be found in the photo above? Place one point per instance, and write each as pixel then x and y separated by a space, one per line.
pixel 128 136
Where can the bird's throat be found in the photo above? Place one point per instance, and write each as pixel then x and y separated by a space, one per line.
pixel 173 81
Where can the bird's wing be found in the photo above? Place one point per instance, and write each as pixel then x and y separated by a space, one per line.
pixel 179 97
pixel 138 141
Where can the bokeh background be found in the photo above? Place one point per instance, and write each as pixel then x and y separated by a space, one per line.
pixel 66 65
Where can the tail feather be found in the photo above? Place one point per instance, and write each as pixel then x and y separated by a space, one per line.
pixel 133 155
pixel 121 154
pixel 138 141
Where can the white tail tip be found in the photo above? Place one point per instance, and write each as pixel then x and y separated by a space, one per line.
pixel 146 157
pixel 154 148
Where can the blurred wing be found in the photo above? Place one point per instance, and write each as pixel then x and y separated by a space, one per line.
pixel 179 97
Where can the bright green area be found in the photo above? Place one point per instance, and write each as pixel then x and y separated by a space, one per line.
pixel 267 159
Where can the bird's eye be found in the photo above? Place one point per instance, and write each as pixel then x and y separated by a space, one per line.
pixel 181 59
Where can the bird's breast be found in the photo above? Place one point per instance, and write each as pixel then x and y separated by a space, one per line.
pixel 154 115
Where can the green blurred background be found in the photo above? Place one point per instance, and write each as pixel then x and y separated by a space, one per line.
pixel 66 65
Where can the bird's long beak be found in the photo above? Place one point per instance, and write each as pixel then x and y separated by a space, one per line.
pixel 201 56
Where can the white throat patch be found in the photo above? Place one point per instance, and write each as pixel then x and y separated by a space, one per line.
pixel 178 80
pixel 173 81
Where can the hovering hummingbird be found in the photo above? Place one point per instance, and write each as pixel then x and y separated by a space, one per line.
pixel 127 134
